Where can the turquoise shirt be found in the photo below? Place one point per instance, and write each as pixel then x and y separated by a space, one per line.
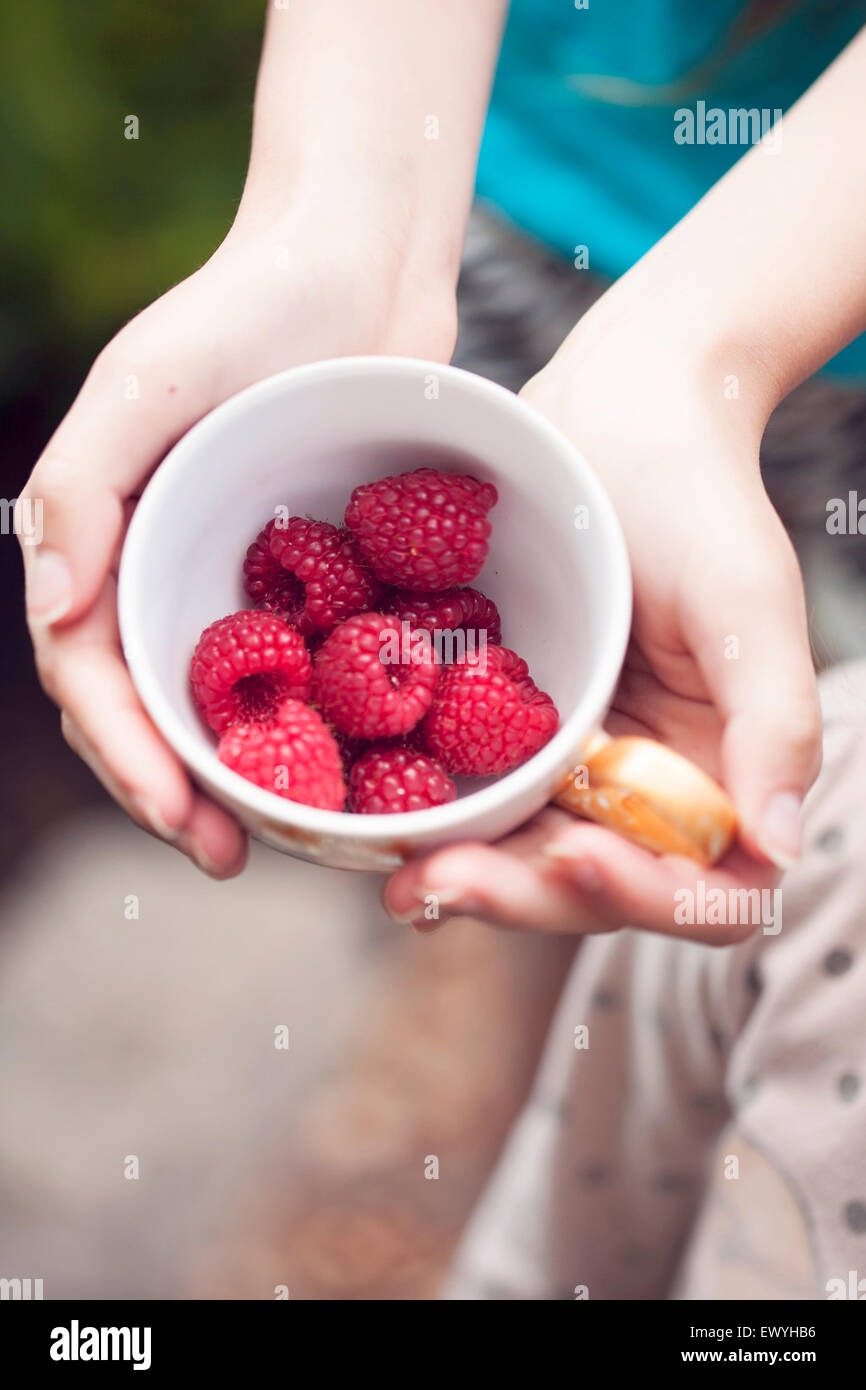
pixel 579 147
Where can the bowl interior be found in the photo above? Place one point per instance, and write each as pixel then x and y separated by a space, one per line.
pixel 304 440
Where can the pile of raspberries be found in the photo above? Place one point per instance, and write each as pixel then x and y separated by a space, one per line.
pixel 331 690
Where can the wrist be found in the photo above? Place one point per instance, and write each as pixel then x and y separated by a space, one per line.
pixel 679 345
pixel 706 309
pixel 370 248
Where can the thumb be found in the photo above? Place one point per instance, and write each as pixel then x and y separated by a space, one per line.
pixel 70 545
pixel 755 656
pixel 100 455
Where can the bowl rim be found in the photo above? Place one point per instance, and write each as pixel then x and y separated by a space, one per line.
pixel 200 758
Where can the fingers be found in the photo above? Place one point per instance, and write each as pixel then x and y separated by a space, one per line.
pixel 629 886
pixel 750 637
pixel 127 414
pixel 570 876
pixel 214 840
pixel 82 669
pixel 486 883
pixel 124 418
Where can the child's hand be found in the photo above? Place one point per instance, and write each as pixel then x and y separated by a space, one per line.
pixel 719 664
pixel 666 385
pixel 267 300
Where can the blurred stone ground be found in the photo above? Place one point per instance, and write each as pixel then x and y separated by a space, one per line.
pixel 155 1037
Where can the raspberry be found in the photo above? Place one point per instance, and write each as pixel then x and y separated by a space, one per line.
pixel 423 530
pixel 448 610
pixel 386 780
pixel 244 665
pixel 294 756
pixel 273 588
pixel 368 682
pixel 328 564
pixel 489 716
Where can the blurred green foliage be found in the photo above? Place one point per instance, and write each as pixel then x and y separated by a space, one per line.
pixel 95 225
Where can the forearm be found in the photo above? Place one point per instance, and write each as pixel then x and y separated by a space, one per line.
pixel 766 277
pixel 372 114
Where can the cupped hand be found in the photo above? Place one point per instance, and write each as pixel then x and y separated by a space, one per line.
pixel 719 664
pixel 270 298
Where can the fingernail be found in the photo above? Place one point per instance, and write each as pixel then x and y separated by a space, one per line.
pixel 204 861
pixel 458 904
pixel 416 920
pixel 581 871
pixel 450 897
pixel 192 846
pixel 404 919
pixel 780 833
pixel 560 850
pixel 49 587
pixel 427 916
pixel 160 827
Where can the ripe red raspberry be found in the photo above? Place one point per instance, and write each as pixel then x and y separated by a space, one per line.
pixel 273 588
pixel 389 779
pixel 423 530
pixel 295 756
pixel 485 721
pixel 327 562
pixel 245 665
pixel 448 610
pixel 368 682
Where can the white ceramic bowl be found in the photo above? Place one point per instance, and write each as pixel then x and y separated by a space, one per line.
pixel 305 439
